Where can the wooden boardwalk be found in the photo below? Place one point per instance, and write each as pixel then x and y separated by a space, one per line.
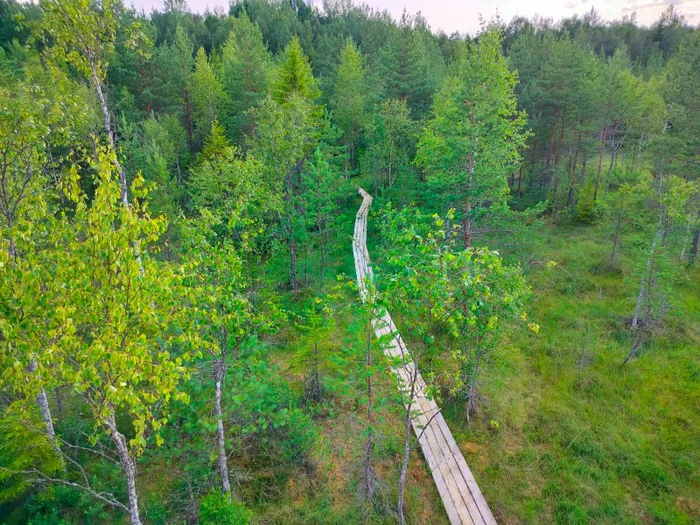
pixel 461 496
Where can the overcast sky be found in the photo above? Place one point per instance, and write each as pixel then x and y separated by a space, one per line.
pixel 463 15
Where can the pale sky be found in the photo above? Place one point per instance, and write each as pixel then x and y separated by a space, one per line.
pixel 463 15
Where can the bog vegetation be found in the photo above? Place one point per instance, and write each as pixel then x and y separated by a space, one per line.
pixel 181 340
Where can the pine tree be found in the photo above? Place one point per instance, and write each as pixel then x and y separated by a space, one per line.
pixel 216 144
pixel 391 144
pixel 321 188
pixel 473 141
pixel 684 101
pixel 175 65
pixel 407 75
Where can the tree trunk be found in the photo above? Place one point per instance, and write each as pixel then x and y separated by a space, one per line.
pixel 467 225
pixel 110 136
pixel 466 219
pixel 42 400
pixel 369 443
pixel 603 138
pixel 113 147
pixel 323 250
pixel 471 396
pixel 613 155
pixel 561 139
pixel 634 155
pixel 188 121
pixel 179 171
pixel 575 161
pixel 128 467
pixel 289 205
pixel 645 276
pixel 694 248
pixel 406 445
pixel 220 374
pixel 293 282
pixel 583 166
pixel 634 352
pixel 551 137
pixel 617 236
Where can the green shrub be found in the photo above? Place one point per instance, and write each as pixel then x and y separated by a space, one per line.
pixel 216 509
pixel 586 210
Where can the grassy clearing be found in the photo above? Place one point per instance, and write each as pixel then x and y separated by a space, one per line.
pixel 582 439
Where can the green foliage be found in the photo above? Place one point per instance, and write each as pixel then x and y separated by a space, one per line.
pixel 207 95
pixel 586 206
pixel 240 181
pixel 215 145
pixel 23 449
pixel 84 34
pixel 294 76
pixel 349 101
pixel 145 305
pixel 246 72
pixel 133 346
pixel 474 138
pixel 471 294
pixel 215 508
pixel 413 68
pixel 391 144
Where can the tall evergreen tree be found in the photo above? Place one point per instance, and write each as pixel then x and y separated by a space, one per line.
pixel 175 65
pixel 474 138
pixel 407 75
pixel 207 95
pixel 349 101
pixel 246 70
pixel 294 76
pixel 684 102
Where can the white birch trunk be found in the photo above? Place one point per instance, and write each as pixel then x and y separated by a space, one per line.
pixel 128 467
pixel 223 467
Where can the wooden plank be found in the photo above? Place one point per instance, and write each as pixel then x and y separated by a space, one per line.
pixel 425 427
pixel 474 489
pixel 445 455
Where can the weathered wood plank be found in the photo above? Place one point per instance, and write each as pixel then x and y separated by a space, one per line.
pixel 463 501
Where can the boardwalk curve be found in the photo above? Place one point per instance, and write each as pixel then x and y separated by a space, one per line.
pixel 460 494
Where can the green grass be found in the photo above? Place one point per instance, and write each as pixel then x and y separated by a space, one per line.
pixel 583 439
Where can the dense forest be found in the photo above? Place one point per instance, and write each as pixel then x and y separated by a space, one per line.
pixel 181 335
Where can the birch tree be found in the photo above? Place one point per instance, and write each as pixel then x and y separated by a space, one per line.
pixel 45 110
pixel 132 350
pixel 225 317
pixel 82 33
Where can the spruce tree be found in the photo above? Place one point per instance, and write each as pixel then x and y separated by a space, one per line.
pixel 294 76
pixel 349 100
pixel 246 70
pixel 207 95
